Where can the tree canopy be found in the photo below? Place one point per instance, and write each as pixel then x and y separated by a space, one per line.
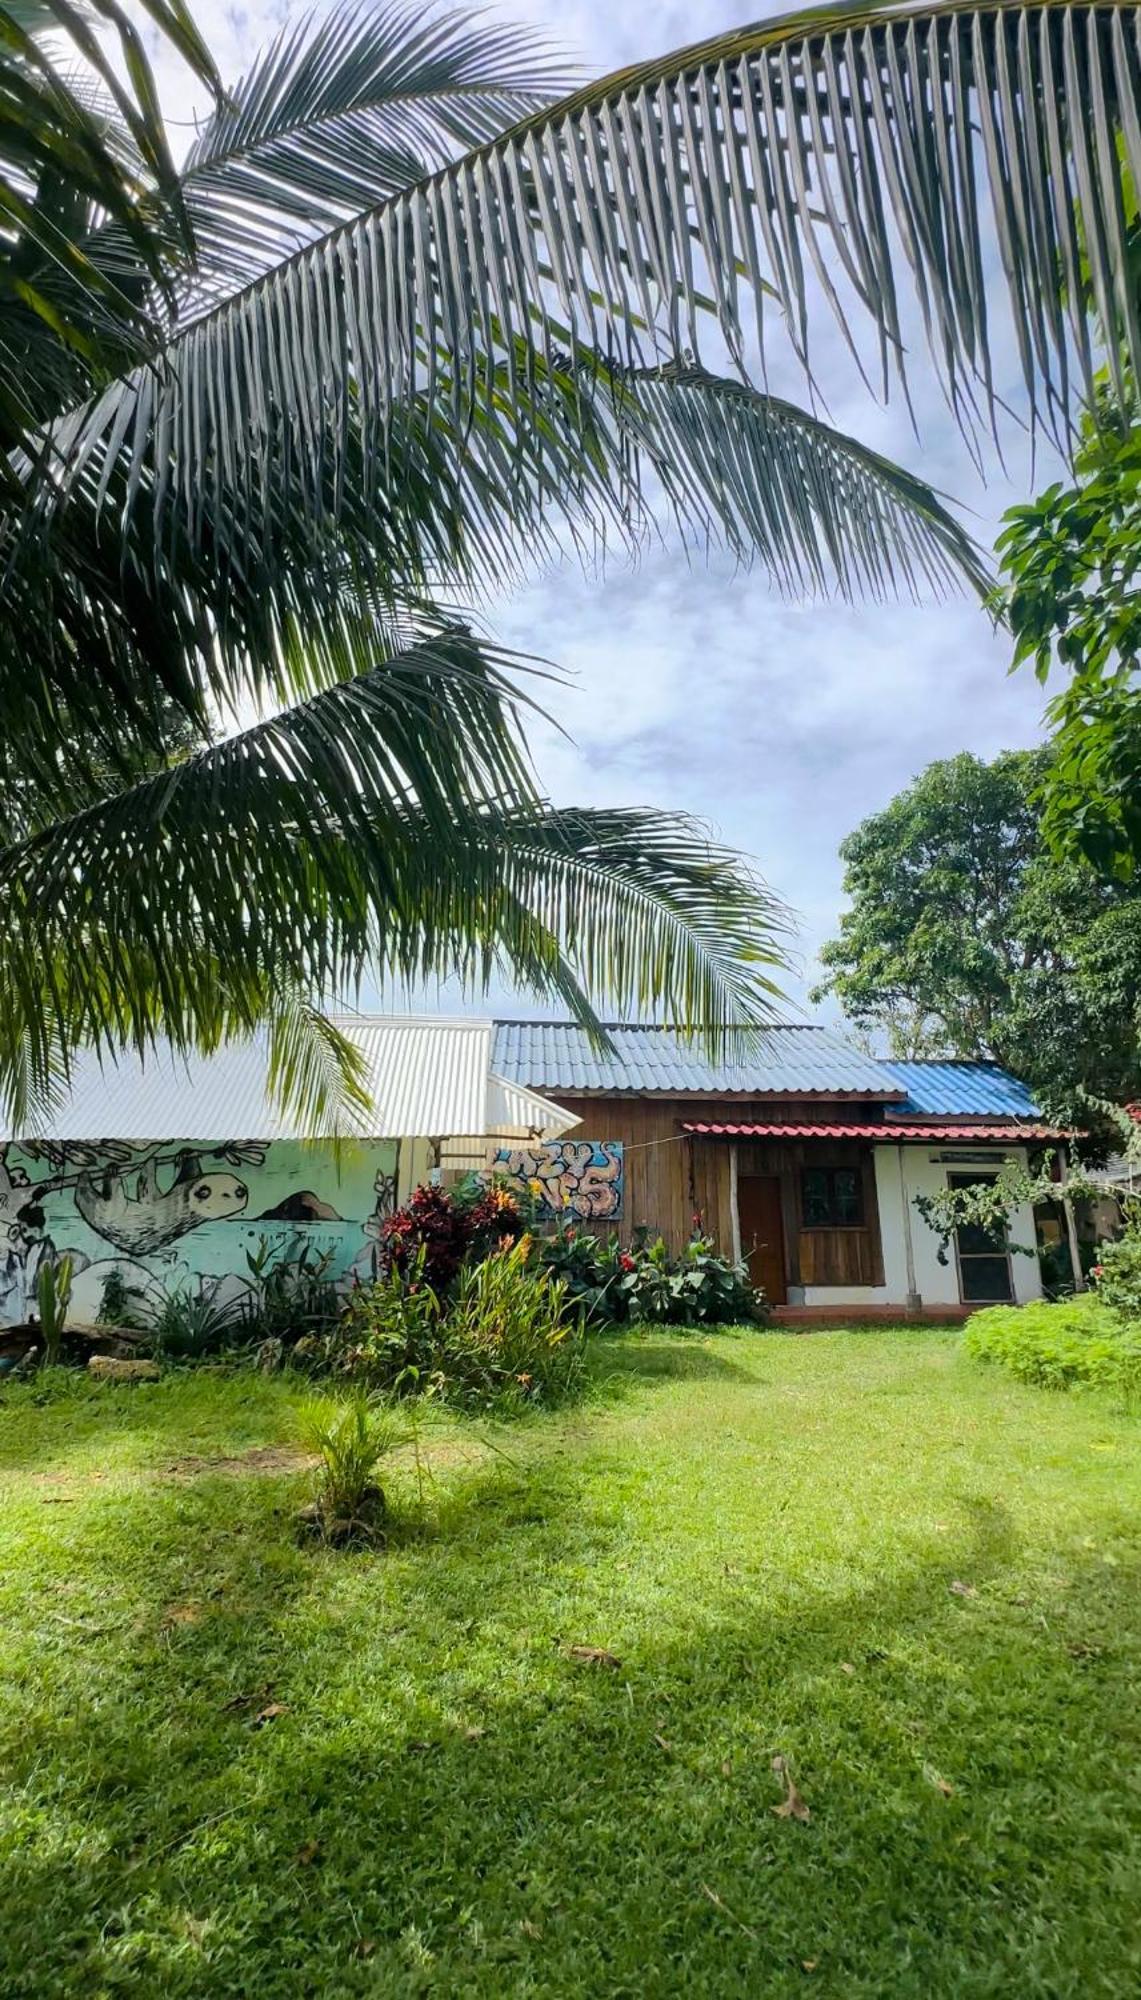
pixel 1071 563
pixel 968 936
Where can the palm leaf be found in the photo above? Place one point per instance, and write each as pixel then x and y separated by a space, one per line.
pixel 386 824
pixel 344 109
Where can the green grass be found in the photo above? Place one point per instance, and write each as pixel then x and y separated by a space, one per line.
pixel 767 1531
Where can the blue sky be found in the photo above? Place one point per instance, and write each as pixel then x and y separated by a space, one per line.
pixel 697 687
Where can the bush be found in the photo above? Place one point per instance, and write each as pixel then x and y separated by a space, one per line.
pixel 645 1283
pixel 192 1326
pixel 511 1332
pixel 289 1298
pixel 350 1438
pixel 1057 1346
pixel 1118 1276
pixel 508 1336
pixel 390 1331
pixel 431 1223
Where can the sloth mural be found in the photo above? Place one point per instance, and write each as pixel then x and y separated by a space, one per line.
pixel 184 1216
pixel 584 1177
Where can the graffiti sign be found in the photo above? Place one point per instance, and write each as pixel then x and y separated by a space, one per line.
pixel 584 1177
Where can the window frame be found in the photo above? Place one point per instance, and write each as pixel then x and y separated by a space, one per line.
pixel 830 1172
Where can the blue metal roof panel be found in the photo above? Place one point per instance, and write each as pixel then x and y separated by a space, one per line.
pixel 961 1090
pixel 793 1061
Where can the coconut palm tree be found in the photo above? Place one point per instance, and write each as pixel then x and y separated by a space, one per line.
pixel 436 328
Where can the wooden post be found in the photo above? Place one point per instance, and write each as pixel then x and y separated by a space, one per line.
pixel 1071 1222
pixel 734 1211
pixel 914 1301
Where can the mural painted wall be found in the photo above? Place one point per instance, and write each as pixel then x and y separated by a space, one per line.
pixel 582 1176
pixel 180 1216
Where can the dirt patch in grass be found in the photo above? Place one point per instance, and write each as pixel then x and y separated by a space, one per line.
pixel 261 1458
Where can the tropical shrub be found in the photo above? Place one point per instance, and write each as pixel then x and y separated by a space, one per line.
pixel 350 1438
pixel 193 1325
pixel 508 1335
pixel 1059 1345
pixel 592 1268
pixel 1118 1276
pixel 121 1304
pixel 613 1285
pixel 53 1296
pixel 511 1333
pixel 389 1331
pixel 289 1298
pixel 434 1223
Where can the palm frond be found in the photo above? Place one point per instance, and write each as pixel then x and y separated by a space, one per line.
pixel 313 1069
pixel 387 824
pixel 346 107
pixel 818 509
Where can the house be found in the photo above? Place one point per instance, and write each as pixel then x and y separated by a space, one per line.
pixel 175 1171
pixel 804 1156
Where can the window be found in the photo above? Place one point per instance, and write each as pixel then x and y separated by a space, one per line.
pixel 830 1198
pixel 984 1260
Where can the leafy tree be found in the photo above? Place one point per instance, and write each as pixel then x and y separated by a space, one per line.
pixel 968 936
pixel 1071 562
pixel 408 325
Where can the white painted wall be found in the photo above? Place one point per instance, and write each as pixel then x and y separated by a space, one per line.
pixel 924 1172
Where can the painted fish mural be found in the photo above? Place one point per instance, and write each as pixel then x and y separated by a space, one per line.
pixel 585 1177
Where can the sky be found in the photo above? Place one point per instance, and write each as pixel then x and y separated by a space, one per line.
pixel 695 686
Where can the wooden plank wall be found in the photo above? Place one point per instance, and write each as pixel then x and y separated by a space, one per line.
pixel 669 1176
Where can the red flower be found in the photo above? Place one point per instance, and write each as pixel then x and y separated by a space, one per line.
pixel 625 1261
pixel 1098 1271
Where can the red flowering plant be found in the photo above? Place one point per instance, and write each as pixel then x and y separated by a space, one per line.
pixel 432 1222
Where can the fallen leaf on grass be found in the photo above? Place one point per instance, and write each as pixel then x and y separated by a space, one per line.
pixel 810 1964
pixel 726 1768
pixel 364 1947
pixel 663 1745
pixel 237 1701
pixel 529 1929
pixel 958 1589
pixel 940 1783
pixel 846 1667
pixel 182 1614
pixel 593 1656
pixel 307 1853
pixel 718 1904
pixel 271 1713
pixel 792 1806
pixel 474 1731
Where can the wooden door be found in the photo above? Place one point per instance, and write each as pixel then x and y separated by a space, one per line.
pixel 762 1234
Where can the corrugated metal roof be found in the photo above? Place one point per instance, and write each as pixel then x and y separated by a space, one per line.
pixel 786 1061
pixel 962 1090
pixel 890 1132
pixel 427 1079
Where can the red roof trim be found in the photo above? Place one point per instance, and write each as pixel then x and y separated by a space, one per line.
pixel 886 1134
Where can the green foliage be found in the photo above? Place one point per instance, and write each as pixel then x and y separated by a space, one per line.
pixel 511 1335
pixel 290 1298
pixel 1118 1277
pixel 390 1331
pixel 53 1296
pixel 968 936
pixel 120 1304
pixel 190 1325
pixel 506 1337
pixel 1058 1346
pixel 350 1435
pixel 613 1285
pixel 1071 563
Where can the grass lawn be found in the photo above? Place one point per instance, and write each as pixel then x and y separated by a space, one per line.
pixel 913 1579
